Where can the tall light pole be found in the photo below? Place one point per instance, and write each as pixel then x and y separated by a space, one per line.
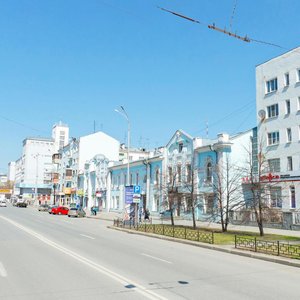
pixel 36 156
pixel 123 112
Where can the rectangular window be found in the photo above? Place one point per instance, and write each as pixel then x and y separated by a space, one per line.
pixel 298 104
pixel 276 200
pixel 179 173
pixel 271 85
pixel 298 75
pixel 274 165
pixel 287 107
pixel 170 174
pixel 189 173
pixel 273 138
pixel 272 111
pixel 137 179
pixel 293 197
pixel 286 79
pixel 180 147
pixel 290 163
pixel 288 135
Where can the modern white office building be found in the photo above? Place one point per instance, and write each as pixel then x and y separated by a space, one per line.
pixel 278 113
pixel 34 169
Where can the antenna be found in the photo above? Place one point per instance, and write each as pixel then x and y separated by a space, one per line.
pixel 207 129
pixel 94 126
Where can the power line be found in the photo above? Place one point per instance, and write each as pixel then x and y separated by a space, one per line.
pixel 214 27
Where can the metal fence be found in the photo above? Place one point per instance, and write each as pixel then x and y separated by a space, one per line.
pixel 169 230
pixel 269 247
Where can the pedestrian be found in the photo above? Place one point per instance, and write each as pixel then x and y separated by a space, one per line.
pixel 95 211
pixel 147 215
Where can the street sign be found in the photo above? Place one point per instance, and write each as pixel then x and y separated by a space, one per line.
pixel 129 194
pixel 137 189
pixel 136 198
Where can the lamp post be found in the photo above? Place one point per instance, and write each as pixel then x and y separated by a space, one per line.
pixel 123 112
pixel 36 156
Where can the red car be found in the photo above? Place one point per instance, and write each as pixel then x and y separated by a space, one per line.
pixel 59 210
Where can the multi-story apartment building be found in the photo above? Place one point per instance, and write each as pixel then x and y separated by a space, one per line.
pixel 34 169
pixel 278 111
pixel 77 180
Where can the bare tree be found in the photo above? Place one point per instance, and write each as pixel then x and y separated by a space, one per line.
pixel 260 185
pixel 227 189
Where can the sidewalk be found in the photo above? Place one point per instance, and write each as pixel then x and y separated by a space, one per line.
pixel 110 216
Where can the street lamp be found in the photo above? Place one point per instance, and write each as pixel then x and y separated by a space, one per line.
pixel 123 112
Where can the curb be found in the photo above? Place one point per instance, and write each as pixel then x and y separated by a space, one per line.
pixel 255 255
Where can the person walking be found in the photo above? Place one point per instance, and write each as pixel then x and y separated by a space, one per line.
pixel 147 214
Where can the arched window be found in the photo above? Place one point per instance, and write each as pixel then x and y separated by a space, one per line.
pixel 208 172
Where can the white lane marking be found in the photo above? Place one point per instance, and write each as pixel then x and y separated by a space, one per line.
pixel 87 236
pixel 101 269
pixel 3 272
pixel 157 258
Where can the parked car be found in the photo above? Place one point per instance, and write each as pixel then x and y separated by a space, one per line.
pixel 76 212
pixel 3 203
pixel 21 204
pixel 43 207
pixel 50 208
pixel 60 210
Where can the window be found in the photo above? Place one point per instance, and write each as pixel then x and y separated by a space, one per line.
pixel 298 75
pixel 298 104
pixel 271 85
pixel 137 179
pixel 274 165
pixel 208 172
pixel 272 111
pixel 288 135
pixel 287 107
pixel 130 183
pixel 189 173
pixel 276 200
pixel 157 176
pixel 170 174
pixel 286 79
pixel 293 197
pixel 273 138
pixel 179 173
pixel 289 163
pixel 180 147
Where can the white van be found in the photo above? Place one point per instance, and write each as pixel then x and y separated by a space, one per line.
pixel 3 203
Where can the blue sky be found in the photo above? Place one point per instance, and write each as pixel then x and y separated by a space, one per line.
pixel 76 61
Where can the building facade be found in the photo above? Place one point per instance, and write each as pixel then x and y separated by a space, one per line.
pixel 278 113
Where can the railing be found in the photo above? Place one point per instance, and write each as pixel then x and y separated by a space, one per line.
pixel 168 230
pixel 269 247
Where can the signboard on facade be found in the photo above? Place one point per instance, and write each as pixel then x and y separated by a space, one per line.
pixel 67 191
pixel 5 191
pixel 129 194
pixel 136 198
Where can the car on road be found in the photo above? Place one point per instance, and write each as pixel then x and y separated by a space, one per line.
pixel 43 207
pixel 21 204
pixel 50 208
pixel 59 210
pixel 76 212
pixel 3 203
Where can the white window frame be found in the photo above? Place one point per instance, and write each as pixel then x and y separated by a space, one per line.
pixel 274 165
pixel 273 138
pixel 273 111
pixel 286 79
pixel 289 163
pixel 271 85
pixel 288 135
pixel 298 104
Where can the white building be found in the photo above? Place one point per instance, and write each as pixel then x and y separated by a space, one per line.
pixel 34 169
pixel 278 111
pixel 11 171
pixel 79 165
pixel 60 135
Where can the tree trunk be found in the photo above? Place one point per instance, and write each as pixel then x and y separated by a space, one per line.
pixel 194 219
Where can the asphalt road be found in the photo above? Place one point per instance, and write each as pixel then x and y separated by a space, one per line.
pixel 55 257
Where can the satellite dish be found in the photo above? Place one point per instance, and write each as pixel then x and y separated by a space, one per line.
pixel 262 114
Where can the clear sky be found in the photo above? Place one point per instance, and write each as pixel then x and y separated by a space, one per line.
pixel 76 61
